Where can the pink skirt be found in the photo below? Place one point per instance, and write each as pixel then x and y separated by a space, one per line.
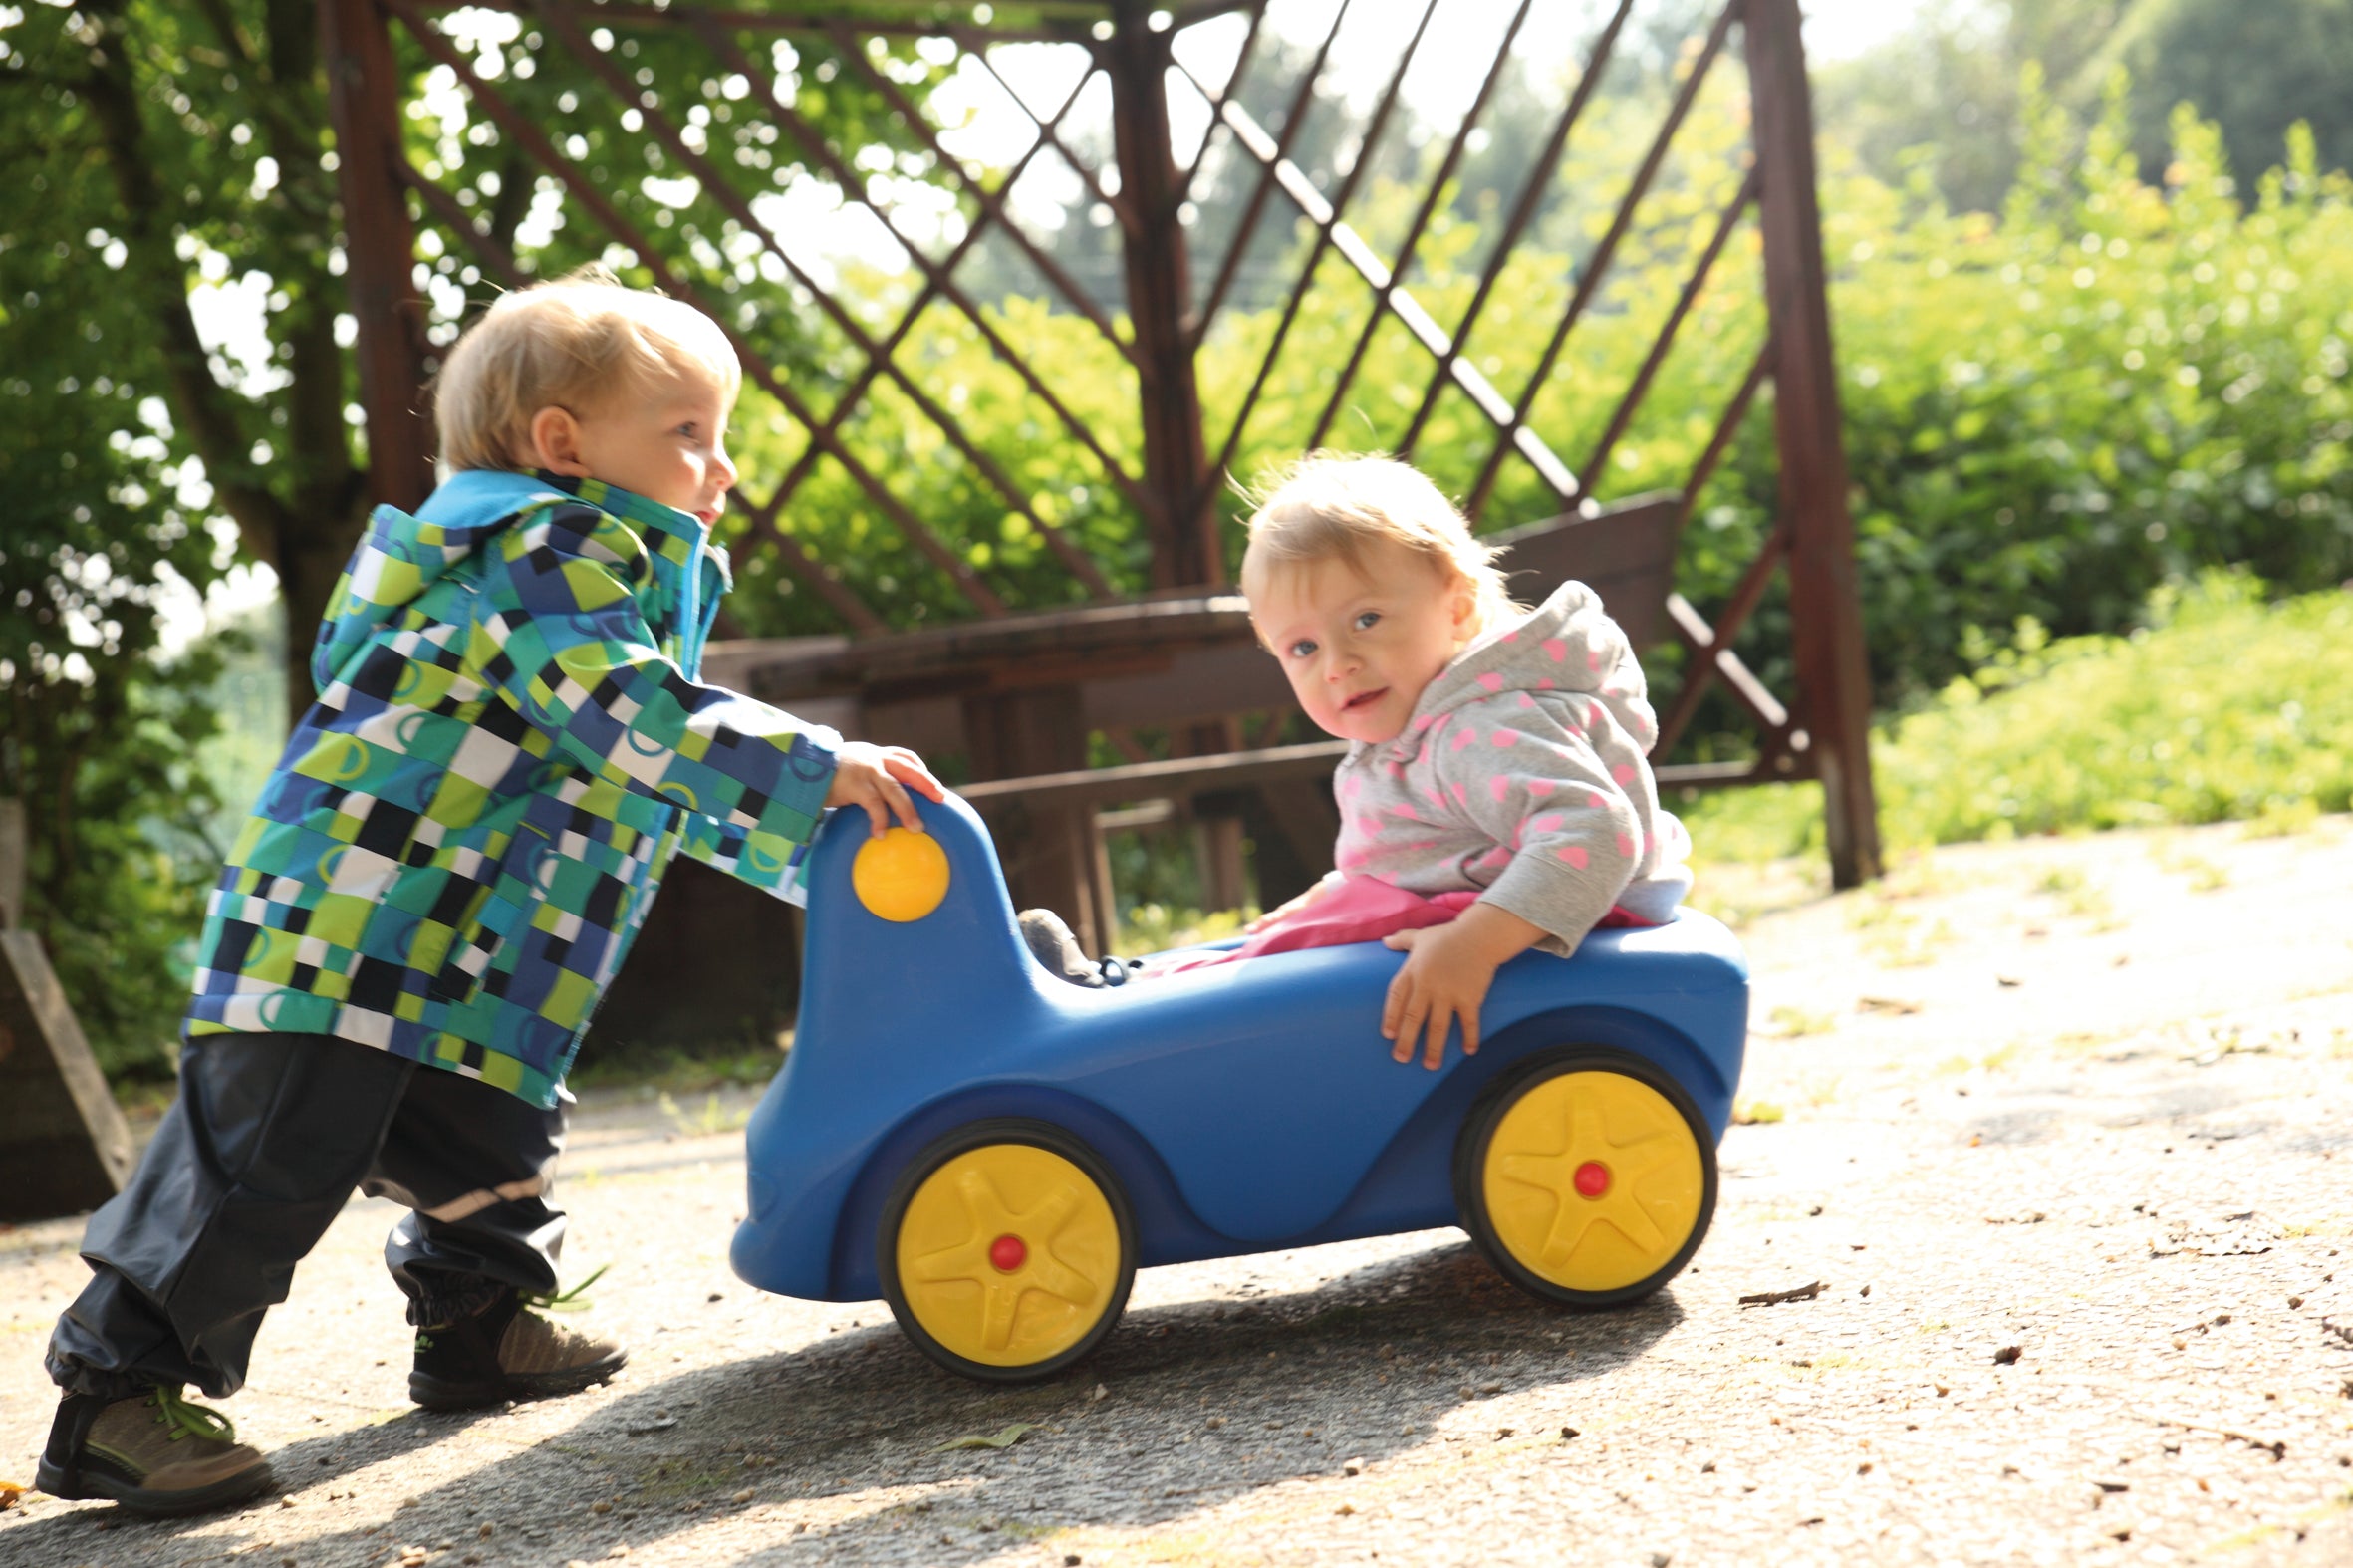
pixel 1360 909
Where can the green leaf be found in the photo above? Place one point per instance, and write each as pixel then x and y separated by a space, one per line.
pixel 1004 1438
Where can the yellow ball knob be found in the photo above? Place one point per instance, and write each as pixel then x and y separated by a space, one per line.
pixel 900 876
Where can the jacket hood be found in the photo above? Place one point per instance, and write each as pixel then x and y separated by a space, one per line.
pixel 401 556
pixel 1566 643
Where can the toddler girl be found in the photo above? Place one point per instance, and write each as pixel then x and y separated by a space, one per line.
pixel 1496 797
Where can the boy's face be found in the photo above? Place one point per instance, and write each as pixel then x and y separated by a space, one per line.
pixel 1360 643
pixel 666 442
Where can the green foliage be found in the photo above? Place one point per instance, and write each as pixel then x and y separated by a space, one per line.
pixel 1943 94
pixel 2223 707
pixel 171 164
pixel 2050 413
pixel 103 525
pixel 2113 386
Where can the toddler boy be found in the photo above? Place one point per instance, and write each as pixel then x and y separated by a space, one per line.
pixel 446 866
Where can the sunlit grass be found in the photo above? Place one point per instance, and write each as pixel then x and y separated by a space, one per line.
pixel 2226 708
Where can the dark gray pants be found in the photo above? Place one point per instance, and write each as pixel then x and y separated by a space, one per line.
pixel 268 1139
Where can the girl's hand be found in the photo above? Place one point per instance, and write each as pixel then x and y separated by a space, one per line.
pixel 1445 976
pixel 877 778
pixel 1315 891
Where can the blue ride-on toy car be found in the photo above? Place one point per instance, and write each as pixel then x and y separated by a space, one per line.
pixel 994 1150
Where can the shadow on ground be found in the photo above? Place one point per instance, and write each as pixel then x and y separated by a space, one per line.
pixel 1201 1403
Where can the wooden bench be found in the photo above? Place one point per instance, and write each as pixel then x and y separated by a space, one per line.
pixel 1018 696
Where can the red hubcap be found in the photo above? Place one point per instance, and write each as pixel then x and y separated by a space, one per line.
pixel 1008 1253
pixel 1593 1180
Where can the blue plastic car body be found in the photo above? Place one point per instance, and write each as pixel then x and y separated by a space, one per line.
pixel 1243 1107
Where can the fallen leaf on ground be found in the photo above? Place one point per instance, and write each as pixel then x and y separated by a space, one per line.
pixel 10 1492
pixel 1896 1005
pixel 1773 1298
pixel 2008 1356
pixel 2229 1235
pixel 1005 1439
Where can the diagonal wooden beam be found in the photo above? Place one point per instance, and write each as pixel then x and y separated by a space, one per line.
pixel 1384 293
pixel 975 45
pixel 1598 264
pixel 805 18
pixel 1233 85
pixel 561 21
pixel 765 512
pixel 821 580
pixel 1302 101
pixel 1711 654
pixel 1710 649
pixel 1542 174
pixel 756 367
pixel 1660 345
pixel 853 189
pixel 1394 297
pixel 1323 241
pixel 912 115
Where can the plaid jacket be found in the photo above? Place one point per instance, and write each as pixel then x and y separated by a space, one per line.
pixel 467 830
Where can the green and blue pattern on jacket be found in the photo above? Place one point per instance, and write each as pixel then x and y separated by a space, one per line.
pixel 465 831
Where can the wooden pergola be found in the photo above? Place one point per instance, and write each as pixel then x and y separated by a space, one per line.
pixel 1017 687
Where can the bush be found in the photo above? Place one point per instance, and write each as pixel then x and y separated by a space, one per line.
pixel 2223 707
pixel 2050 412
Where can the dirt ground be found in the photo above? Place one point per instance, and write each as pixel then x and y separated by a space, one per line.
pixel 2053 1124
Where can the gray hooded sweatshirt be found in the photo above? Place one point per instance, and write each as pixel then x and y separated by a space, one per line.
pixel 1521 777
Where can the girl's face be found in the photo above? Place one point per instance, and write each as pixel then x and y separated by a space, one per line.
pixel 1360 642
pixel 667 442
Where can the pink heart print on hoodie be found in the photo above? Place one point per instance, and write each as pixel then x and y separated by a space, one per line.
pixel 1521 777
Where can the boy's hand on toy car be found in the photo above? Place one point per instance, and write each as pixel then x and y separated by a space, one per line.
pixel 877 778
pixel 1445 976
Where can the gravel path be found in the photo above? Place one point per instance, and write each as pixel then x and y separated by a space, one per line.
pixel 2056 1137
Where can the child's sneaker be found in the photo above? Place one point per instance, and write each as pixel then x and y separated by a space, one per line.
pixel 509 1351
pixel 153 1453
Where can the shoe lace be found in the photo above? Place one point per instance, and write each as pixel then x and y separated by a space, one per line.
pixel 190 1420
pixel 573 1301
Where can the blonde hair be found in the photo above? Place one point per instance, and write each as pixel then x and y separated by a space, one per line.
pixel 1328 506
pixel 580 343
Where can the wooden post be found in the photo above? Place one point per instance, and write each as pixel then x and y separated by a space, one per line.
pixel 64 1145
pixel 1052 853
pixel 1185 549
pixel 1826 614
pixel 12 863
pixel 380 250
pixel 1184 545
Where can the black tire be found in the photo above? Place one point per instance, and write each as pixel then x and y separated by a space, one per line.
pixel 1496 1101
pixel 977 1135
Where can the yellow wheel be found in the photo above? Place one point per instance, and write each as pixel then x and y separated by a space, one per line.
pixel 1006 1251
pixel 1588 1177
